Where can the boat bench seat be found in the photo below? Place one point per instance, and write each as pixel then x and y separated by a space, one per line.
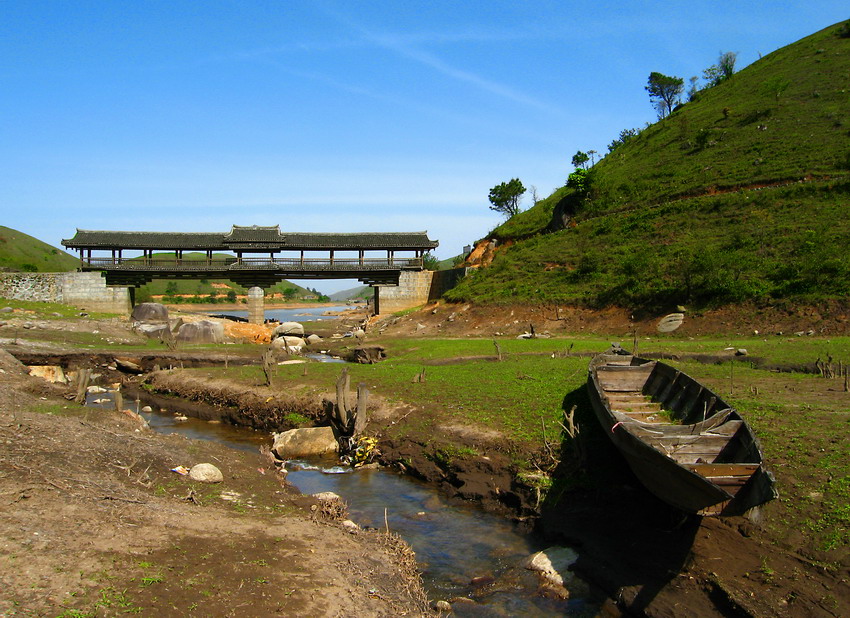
pixel 730 476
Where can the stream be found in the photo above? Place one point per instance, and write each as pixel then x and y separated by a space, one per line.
pixel 467 556
pixel 298 314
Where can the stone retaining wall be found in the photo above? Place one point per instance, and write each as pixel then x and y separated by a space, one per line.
pixel 415 289
pixel 84 290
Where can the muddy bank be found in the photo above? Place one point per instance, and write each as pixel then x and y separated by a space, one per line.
pixel 261 408
pixel 649 558
pixel 94 522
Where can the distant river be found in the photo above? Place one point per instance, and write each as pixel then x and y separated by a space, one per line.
pixel 298 314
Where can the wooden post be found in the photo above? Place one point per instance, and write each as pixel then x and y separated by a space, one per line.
pixel 731 377
pixel 341 397
pixel 361 416
pixel 83 377
pixel 268 365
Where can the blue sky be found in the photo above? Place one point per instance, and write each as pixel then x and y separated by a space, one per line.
pixel 334 116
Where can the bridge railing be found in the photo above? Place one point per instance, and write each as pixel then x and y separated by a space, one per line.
pixel 138 263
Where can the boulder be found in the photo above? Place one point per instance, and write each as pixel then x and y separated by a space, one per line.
pixel 149 312
pixel 292 344
pixel 314 340
pixel 553 564
pixel 294 329
pixel 670 322
pixel 368 354
pixel 206 473
pixel 350 526
pixel 202 331
pixel 154 330
pixel 125 364
pixel 51 373
pixel 306 442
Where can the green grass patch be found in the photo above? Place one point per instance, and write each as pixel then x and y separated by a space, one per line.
pixel 48 311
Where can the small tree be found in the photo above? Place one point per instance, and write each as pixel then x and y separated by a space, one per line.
pixel 580 159
pixel 721 71
pixel 625 136
pixel 726 62
pixel 430 262
pixel 579 180
pixel 664 92
pixel 692 89
pixel 505 197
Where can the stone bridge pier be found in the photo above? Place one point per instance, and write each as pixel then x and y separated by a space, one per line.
pixel 256 305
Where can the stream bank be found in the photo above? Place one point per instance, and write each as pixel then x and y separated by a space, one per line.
pixel 649 558
pixel 95 523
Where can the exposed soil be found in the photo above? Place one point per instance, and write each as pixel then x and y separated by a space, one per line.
pixel 94 521
pixel 651 559
pixel 462 319
pixel 647 558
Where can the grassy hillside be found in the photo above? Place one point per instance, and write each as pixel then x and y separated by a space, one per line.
pixel 741 194
pixel 362 291
pixel 20 252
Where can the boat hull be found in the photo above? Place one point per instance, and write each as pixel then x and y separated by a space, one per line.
pixel 708 464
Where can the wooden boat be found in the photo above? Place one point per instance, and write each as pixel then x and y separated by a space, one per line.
pixel 682 441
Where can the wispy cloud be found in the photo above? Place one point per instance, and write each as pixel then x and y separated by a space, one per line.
pixel 407 45
pixel 403 45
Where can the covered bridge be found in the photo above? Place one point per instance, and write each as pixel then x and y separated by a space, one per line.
pixel 256 257
pixel 252 256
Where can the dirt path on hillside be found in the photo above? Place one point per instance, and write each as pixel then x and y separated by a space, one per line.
pixel 94 521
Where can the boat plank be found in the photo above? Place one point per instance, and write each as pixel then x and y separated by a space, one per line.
pixel 723 469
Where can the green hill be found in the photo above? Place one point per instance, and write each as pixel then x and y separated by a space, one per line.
pixel 364 292
pixel 20 252
pixel 740 194
pixel 203 288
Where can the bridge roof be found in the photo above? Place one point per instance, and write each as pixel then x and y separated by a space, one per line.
pixel 250 238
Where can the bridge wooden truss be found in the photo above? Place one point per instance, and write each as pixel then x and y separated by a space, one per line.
pixel 249 255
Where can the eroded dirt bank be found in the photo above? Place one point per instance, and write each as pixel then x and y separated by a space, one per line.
pixel 649 559
pixel 464 319
pixel 93 522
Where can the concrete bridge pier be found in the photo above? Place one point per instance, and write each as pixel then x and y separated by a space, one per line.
pixel 256 305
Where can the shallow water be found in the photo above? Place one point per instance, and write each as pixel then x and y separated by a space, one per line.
pixel 461 550
pixel 299 314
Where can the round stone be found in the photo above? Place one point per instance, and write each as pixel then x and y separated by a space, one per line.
pixel 206 473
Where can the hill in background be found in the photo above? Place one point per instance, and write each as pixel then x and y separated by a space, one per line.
pixel 739 195
pixel 20 252
pixel 362 291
